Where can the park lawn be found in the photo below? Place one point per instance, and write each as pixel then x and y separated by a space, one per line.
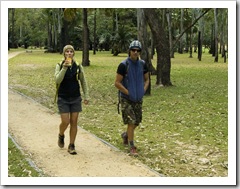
pixel 184 132
pixel 19 165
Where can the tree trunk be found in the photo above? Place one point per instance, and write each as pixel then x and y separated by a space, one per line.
pixel 201 26
pixel 223 34
pixel 143 38
pixel 49 36
pixel 222 46
pixel 169 20
pixel 64 34
pixel 191 34
pixel 94 31
pixel 85 54
pixel 13 43
pixel 212 49
pixel 152 50
pixel 55 31
pixel 216 34
pixel 199 46
pixel 162 47
pixel 180 50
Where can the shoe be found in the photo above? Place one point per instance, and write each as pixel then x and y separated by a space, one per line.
pixel 133 151
pixel 71 149
pixel 61 141
pixel 125 138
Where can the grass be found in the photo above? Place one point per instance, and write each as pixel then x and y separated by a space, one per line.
pixel 18 165
pixel 185 127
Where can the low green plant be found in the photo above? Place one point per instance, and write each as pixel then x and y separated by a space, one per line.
pixel 185 127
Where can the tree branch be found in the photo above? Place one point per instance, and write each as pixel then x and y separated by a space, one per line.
pixel 179 37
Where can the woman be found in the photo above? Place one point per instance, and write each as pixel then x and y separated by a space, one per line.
pixel 67 74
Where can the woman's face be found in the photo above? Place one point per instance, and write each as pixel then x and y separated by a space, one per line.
pixel 69 53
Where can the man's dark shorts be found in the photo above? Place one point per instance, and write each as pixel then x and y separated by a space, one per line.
pixel 69 105
pixel 131 112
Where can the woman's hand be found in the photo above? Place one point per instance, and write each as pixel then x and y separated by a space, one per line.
pixel 67 62
pixel 86 102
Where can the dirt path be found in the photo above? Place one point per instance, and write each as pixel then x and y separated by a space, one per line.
pixel 35 129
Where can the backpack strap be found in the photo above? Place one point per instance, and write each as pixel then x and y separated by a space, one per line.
pixel 58 85
pixel 119 102
pixel 79 70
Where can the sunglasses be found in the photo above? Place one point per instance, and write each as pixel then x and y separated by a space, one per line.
pixel 134 50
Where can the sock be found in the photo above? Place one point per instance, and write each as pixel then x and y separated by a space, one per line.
pixel 131 143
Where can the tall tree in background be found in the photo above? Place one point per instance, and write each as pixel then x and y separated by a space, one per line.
pixel 224 27
pixel 64 39
pixel 85 55
pixel 162 47
pixel 169 20
pixel 124 29
pixel 143 38
pixel 200 35
pixel 12 33
pixel 191 25
pixel 199 45
pixel 94 31
pixel 37 27
pixel 216 34
pixel 180 50
pixel 191 34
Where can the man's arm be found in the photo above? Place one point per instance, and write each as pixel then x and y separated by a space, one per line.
pixel 146 81
pixel 119 85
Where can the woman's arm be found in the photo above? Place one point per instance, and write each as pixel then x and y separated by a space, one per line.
pixel 84 84
pixel 59 74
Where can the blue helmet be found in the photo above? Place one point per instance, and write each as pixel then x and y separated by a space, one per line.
pixel 135 44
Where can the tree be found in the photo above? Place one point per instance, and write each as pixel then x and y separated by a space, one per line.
pixel 199 45
pixel 143 38
pixel 188 27
pixel 169 20
pixel 216 34
pixel 29 27
pixel 12 33
pixel 162 47
pixel 191 34
pixel 64 39
pixel 94 31
pixel 124 29
pixel 110 28
pixel 223 33
pixel 180 50
pixel 71 15
pixel 85 56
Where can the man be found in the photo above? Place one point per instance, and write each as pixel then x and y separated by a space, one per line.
pixel 132 80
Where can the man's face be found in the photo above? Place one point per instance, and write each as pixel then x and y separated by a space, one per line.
pixel 134 53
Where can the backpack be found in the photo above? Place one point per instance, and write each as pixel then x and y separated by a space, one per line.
pixel 119 93
pixel 77 77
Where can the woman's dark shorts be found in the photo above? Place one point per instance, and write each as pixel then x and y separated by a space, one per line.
pixel 69 104
pixel 131 112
